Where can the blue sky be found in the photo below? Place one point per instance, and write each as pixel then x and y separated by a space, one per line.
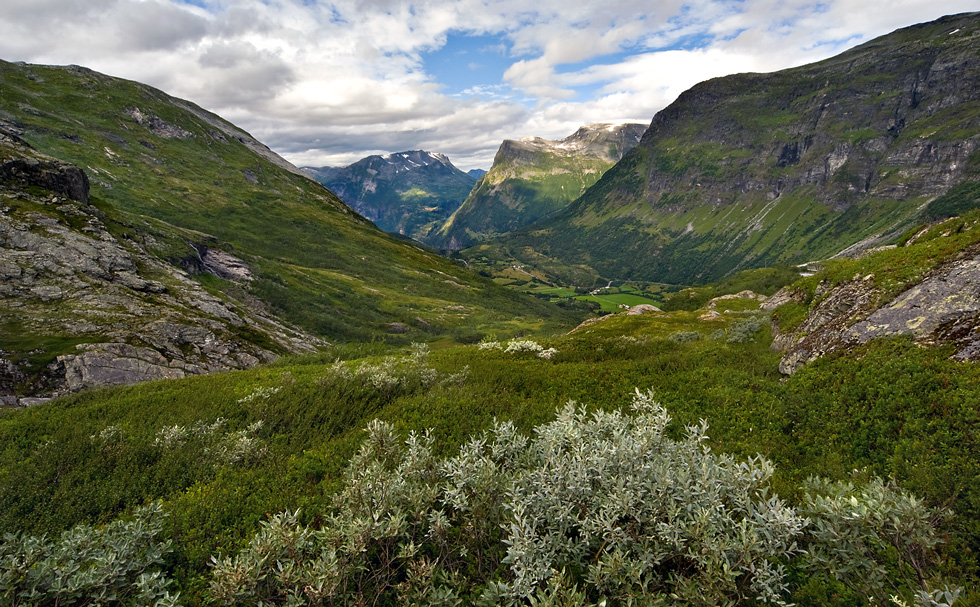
pixel 471 65
pixel 329 82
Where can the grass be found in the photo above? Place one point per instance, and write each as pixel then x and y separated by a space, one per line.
pixel 613 303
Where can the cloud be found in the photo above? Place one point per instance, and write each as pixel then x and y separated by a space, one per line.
pixel 327 82
pixel 156 25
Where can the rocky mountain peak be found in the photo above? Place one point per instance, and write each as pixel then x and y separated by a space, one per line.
pixel 414 159
pixel 533 177
pixel 404 192
pixel 605 140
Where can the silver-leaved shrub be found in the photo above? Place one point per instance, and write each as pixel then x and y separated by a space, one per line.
pixel 117 565
pixel 592 509
pixel 857 530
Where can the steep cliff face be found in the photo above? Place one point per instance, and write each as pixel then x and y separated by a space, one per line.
pixel 409 193
pixel 761 169
pixel 928 289
pixel 82 307
pixel 533 177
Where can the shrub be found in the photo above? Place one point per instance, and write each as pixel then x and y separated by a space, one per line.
pixel 523 345
pixel 743 331
pixel 595 507
pixel 392 374
pixel 644 516
pixel 115 565
pixel 684 336
pixel 857 531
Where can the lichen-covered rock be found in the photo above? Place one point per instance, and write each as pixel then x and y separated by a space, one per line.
pixel 944 308
pixel 640 309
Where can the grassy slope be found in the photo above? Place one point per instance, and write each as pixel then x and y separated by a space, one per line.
pixel 318 264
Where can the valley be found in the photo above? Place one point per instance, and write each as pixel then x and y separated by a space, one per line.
pixel 729 359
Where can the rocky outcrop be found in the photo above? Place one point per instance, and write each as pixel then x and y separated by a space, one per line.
pixel 942 309
pixel 29 167
pixel 641 309
pixel 746 294
pixel 113 365
pixel 101 309
pixel 158 126
pixel 637 310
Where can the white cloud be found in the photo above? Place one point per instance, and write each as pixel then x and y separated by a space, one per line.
pixel 329 82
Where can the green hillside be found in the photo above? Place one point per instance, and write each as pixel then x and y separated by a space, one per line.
pixel 181 180
pixel 225 452
pixel 452 442
pixel 754 170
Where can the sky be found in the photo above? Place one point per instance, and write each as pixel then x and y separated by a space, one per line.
pixel 327 83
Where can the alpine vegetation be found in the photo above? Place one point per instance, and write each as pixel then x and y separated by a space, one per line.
pixel 600 508
pixel 120 564
pixel 517 346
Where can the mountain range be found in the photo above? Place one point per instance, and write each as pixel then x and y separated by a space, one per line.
pixel 755 170
pixel 409 193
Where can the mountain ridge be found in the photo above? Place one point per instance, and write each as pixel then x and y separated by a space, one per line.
pixel 408 193
pixel 186 205
pixel 532 177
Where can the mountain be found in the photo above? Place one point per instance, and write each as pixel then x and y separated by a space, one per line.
pixel 476 173
pixel 408 193
pixel 533 177
pixel 753 170
pixel 193 247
